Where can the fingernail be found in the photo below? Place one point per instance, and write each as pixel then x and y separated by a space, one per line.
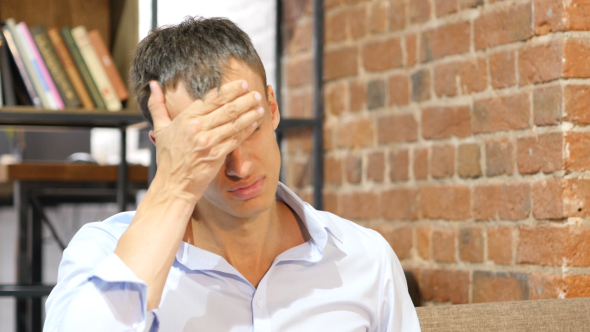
pixel 260 110
pixel 152 85
pixel 245 85
pixel 254 124
pixel 257 96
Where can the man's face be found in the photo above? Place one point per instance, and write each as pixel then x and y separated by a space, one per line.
pixel 247 181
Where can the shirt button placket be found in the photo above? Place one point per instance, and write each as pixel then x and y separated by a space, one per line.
pixel 260 315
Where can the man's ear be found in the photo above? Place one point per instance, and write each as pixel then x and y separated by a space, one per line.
pixel 152 137
pixel 273 106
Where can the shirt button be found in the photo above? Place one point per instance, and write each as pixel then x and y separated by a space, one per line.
pixel 260 303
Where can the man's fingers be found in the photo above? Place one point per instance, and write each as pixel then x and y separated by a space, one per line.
pixel 233 110
pixel 245 124
pixel 216 98
pixel 225 147
pixel 157 107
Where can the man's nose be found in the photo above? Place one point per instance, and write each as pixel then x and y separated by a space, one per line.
pixel 238 163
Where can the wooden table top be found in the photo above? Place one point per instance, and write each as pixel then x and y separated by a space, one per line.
pixel 68 172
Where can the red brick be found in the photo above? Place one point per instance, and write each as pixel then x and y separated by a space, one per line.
pixel 468 160
pixel 354 169
pixel 445 286
pixel 299 140
pixel 546 286
pixel 444 122
pixel 540 153
pixel 577 103
pixel 421 164
pixel 376 167
pixel 357 19
pixel 547 105
pixel 301 40
pixel 501 113
pixel 474 76
pixel 515 201
pixel 549 16
pixel 576 198
pixel 442 161
pixel 499 286
pixel 486 202
pixel 499 157
pixel 446 40
pixel 299 173
pixel 421 85
pixel 356 133
pixel 411 48
pixel 578 12
pixel 443 245
pixel 336 26
pixel 500 245
pixel 379 17
pixel 575 54
pixel 444 7
pixel 335 98
pixel 331 3
pixel 397 128
pixel 328 131
pixel 503 69
pixel 578 158
pixel 340 63
pixel 540 63
pixel 300 104
pixel 353 2
pixel 399 204
pixel 446 202
pixel 503 26
pixel 361 205
pixel 399 165
pixel 382 55
pixel 333 170
pixel 445 79
pixel 469 3
pixel 331 203
pixel 471 245
pixel 548 199
pixel 357 96
pixel 577 286
pixel 577 247
pixel 399 90
pixel 397 15
pixel 419 11
pixel 400 239
pixel 299 72
pixel 540 245
pixel 423 242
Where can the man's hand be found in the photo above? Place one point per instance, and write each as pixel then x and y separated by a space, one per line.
pixel 192 147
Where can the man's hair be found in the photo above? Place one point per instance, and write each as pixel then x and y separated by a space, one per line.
pixel 195 52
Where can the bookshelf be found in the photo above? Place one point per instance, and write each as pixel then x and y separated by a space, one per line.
pixel 117 22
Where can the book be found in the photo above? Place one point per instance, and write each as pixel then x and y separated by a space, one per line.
pixel 104 85
pixel 7 91
pixel 70 68
pixel 27 64
pixel 18 60
pixel 55 102
pixel 57 72
pixel 108 64
pixel 66 33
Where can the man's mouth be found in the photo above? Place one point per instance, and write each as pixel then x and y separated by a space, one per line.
pixel 247 191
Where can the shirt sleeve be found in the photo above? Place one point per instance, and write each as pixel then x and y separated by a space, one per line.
pixel 96 291
pixel 397 310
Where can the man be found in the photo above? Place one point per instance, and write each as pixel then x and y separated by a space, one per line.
pixel 218 244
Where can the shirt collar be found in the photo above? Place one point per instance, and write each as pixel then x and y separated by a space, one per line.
pixel 319 226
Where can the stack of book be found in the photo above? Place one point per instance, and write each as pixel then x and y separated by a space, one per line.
pixel 57 69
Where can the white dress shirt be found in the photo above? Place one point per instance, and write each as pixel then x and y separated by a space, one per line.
pixel 345 278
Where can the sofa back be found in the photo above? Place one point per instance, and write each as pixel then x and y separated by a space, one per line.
pixel 543 315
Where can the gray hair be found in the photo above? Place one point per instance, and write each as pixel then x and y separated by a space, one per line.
pixel 194 52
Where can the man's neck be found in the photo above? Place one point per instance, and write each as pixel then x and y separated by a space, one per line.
pixel 248 244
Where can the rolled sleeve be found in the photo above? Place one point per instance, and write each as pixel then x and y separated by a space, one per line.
pixel 96 291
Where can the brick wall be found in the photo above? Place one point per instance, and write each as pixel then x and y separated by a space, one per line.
pixel 459 130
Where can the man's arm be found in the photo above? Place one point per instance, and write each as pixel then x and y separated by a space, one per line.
pixel 191 148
